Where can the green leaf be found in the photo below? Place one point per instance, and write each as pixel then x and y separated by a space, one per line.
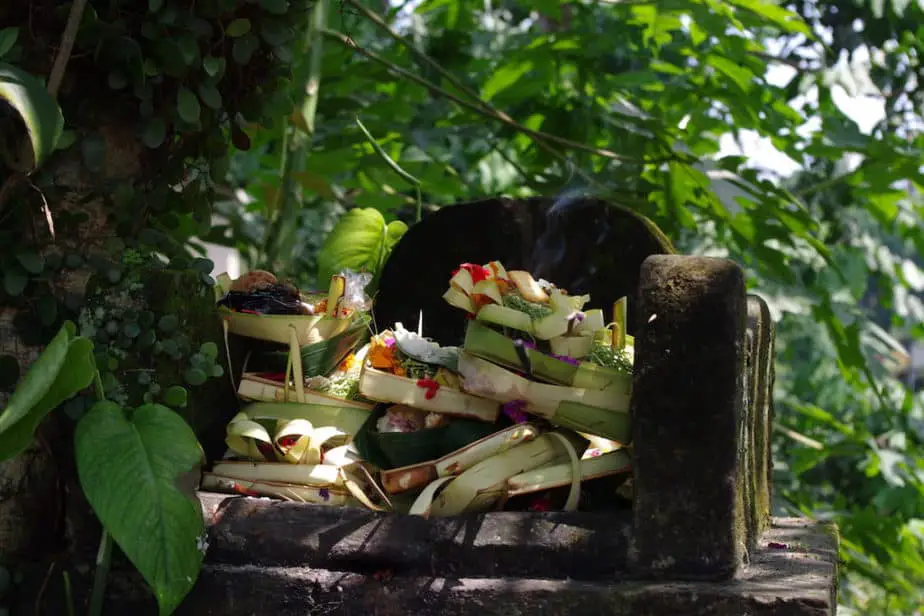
pixel 39 111
pixel 128 468
pixel 47 308
pixel 277 7
pixel 154 133
pixel 195 376
pixel 504 78
pixel 210 96
pixel 31 261
pixel 187 105
pixel 736 72
pixel 244 48
pixel 210 350
pixel 176 396
pixel 64 368
pixel 360 241
pixel 93 152
pixel 214 67
pixel 238 27
pixel 168 323
pixel 395 231
pixel 8 38
pixel 14 281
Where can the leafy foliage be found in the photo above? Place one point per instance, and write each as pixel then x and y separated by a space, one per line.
pixel 531 98
pixel 141 452
pixel 63 369
pixel 37 108
pixel 339 114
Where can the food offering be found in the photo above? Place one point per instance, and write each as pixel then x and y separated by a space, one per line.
pixel 403 367
pixel 531 345
pixel 257 305
pixel 529 409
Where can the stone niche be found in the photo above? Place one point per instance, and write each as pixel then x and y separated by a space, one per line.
pixel 699 538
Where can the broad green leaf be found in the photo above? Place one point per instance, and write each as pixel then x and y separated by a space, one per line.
pixel 396 230
pixel 504 78
pixel 361 241
pixel 8 38
pixel 128 465
pixel 38 109
pixel 65 367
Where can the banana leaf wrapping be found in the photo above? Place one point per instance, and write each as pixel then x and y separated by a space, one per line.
pixel 319 358
pixel 487 343
pixel 388 450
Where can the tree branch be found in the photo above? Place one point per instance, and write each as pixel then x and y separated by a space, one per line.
pixel 67 46
pixel 480 109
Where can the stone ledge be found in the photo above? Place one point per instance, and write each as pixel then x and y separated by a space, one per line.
pixel 546 545
pixel 796 581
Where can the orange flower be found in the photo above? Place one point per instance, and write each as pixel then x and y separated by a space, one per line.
pixel 348 363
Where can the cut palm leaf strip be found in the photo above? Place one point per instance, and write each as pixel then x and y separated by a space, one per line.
pixel 484 342
pixel 275 327
pixel 483 485
pixel 558 475
pixel 416 476
pixel 346 419
pixel 602 412
pixel 385 387
pixel 258 389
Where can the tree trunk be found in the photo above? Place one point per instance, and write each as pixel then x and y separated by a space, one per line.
pixel 42 509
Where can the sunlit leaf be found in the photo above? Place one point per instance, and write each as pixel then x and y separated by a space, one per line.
pixel 38 110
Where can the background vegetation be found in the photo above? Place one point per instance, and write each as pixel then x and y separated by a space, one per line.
pixel 392 107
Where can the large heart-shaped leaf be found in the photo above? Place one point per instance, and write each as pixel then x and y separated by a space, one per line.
pixel 128 464
pixel 64 368
pixel 360 241
pixel 37 107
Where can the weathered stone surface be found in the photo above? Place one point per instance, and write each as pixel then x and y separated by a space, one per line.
pixel 516 544
pixel 797 580
pixel 583 245
pixel 687 405
pixel 761 326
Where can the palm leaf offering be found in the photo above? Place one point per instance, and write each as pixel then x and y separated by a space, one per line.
pixel 533 402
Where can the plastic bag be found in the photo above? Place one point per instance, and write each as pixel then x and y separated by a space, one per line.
pixel 354 293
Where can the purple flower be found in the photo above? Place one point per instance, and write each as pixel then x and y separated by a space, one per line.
pixel 567 360
pixel 514 410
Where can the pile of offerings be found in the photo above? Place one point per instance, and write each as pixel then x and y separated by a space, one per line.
pixel 531 406
pixel 293 437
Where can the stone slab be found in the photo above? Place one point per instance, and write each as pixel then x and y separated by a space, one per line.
pixel 796 580
pixel 688 407
pixel 518 544
pixel 761 325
